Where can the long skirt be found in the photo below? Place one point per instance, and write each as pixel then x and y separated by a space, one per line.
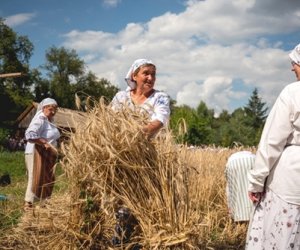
pixel 275 225
pixel 43 172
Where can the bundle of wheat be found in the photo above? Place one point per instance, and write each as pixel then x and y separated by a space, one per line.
pixel 112 164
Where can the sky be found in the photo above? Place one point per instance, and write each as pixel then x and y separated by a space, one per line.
pixel 216 51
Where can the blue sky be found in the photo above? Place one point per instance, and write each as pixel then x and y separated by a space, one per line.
pixel 216 51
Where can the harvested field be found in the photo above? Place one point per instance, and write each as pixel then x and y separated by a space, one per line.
pixel 176 194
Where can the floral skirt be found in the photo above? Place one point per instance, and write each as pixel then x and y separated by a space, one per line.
pixel 275 225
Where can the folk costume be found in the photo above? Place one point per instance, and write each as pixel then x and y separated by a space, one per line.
pixel 39 161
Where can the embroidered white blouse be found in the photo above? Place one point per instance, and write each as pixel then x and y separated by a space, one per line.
pixel 40 127
pixel 278 156
pixel 157 105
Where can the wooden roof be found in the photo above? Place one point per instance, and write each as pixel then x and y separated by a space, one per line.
pixel 64 118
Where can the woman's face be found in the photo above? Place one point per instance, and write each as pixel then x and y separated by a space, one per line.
pixel 296 69
pixel 145 77
pixel 50 111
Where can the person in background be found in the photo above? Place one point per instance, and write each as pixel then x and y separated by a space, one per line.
pixel 274 181
pixel 40 152
pixel 140 93
pixel 236 173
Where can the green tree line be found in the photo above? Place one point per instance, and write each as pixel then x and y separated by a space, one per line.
pixel 200 126
pixel 64 74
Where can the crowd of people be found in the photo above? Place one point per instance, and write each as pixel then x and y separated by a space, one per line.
pixel 262 188
pixel 14 143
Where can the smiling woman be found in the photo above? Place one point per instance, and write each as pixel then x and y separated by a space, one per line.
pixel 141 94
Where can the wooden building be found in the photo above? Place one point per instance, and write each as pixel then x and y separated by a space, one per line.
pixel 65 119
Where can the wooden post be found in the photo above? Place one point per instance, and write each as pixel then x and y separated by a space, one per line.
pixel 7 75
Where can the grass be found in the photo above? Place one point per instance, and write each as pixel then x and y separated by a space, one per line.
pixel 13 163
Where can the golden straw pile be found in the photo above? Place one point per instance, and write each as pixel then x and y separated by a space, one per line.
pixel 176 194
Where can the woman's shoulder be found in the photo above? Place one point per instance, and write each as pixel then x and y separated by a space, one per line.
pixel 160 93
pixel 161 98
pixel 40 117
pixel 293 86
pixel 292 89
pixel 121 94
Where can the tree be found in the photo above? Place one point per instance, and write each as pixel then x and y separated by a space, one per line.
pixel 205 113
pixel 64 66
pixel 224 116
pixel 240 131
pixel 90 85
pixel 256 111
pixel 41 85
pixel 206 122
pixel 15 52
pixel 221 130
pixel 196 130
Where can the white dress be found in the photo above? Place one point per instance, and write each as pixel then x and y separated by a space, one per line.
pixel 275 223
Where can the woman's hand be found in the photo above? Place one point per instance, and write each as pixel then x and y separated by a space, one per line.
pixel 152 128
pixel 47 145
pixel 255 197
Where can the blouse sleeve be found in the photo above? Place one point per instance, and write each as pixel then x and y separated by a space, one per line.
pixel 274 138
pixel 162 109
pixel 119 100
pixel 35 128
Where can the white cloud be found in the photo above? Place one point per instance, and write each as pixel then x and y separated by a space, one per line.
pixel 15 20
pixel 111 3
pixel 202 51
pixel 214 90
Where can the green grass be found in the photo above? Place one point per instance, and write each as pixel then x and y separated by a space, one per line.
pixel 13 163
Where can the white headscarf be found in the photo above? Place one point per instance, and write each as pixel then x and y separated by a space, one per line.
pixel 43 103
pixel 46 102
pixel 136 64
pixel 295 54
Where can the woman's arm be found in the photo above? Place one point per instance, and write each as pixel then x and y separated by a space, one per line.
pixel 33 132
pixel 41 141
pixel 277 129
pixel 152 128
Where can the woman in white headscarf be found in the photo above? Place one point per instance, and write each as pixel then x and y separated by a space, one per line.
pixel 274 180
pixel 141 93
pixel 40 152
